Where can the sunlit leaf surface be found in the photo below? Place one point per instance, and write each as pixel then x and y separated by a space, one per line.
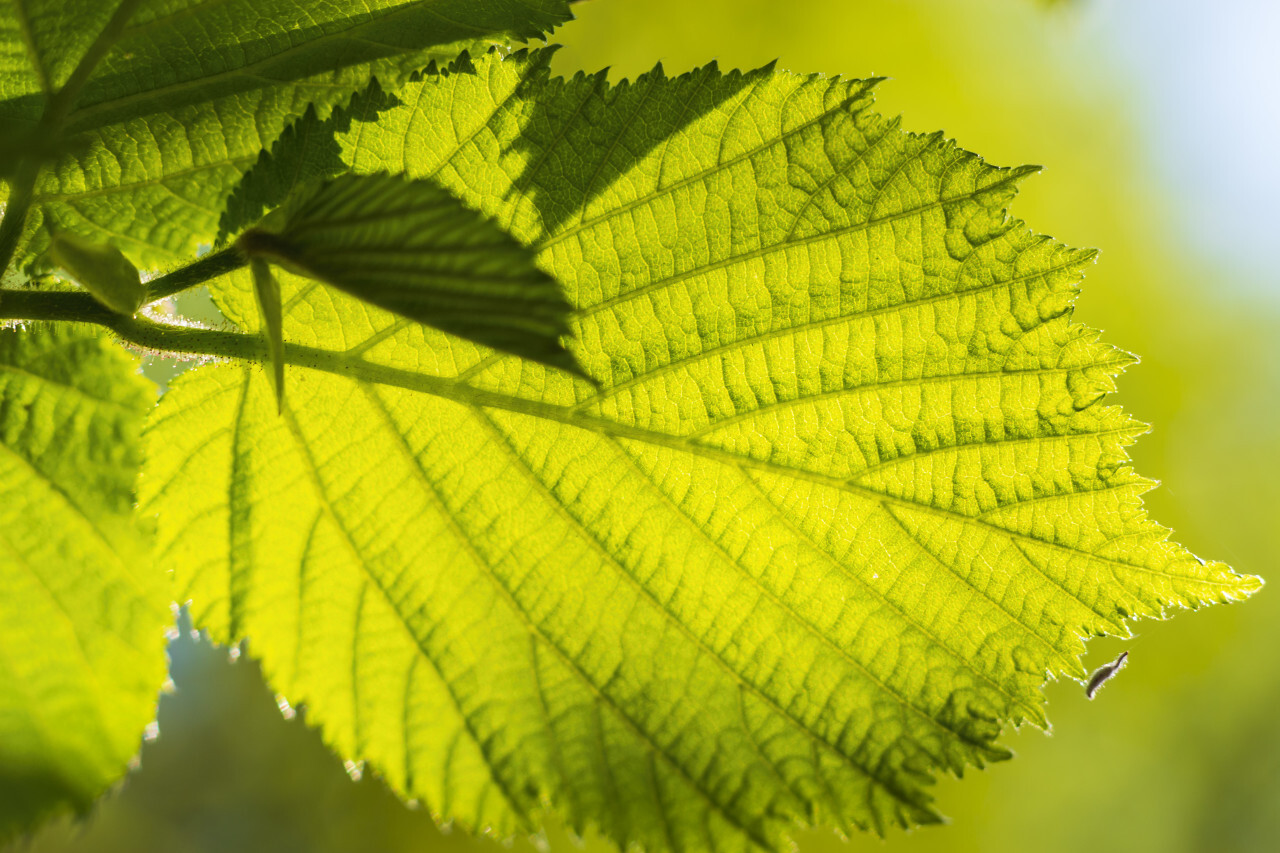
pixel 82 610
pixel 846 495
pixel 187 93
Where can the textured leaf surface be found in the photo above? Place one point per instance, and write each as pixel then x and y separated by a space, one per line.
pixel 846 496
pixel 306 151
pixel 41 41
pixel 82 614
pixel 181 105
pixel 411 247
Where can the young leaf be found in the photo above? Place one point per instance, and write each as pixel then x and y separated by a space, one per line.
pixel 847 495
pixel 267 291
pixel 82 610
pixel 185 98
pixel 412 248
pixel 100 269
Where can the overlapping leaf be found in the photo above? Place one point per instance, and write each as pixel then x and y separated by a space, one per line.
pixel 846 496
pixel 82 612
pixel 306 151
pixel 185 98
pixel 413 248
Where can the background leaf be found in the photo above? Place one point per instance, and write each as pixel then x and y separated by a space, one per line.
pixel 82 612
pixel 847 497
pixel 191 92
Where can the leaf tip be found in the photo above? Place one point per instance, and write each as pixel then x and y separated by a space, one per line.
pixel 565 361
pixel 1246 586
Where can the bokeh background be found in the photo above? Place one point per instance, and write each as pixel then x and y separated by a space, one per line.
pixel 1158 123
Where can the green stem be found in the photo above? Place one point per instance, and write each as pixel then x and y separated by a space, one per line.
pixel 80 307
pixel 209 267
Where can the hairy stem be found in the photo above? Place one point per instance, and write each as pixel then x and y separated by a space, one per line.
pixel 80 307
pixel 209 267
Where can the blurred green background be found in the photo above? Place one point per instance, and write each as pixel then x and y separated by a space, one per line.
pixel 1157 122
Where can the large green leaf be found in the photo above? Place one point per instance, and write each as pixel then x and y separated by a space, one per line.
pixel 82 611
pixel 846 497
pixel 190 92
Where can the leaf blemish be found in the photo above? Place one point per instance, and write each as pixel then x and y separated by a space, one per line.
pixel 1105 673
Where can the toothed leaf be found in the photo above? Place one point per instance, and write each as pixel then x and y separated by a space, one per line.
pixel 186 95
pixel 82 609
pixel 847 492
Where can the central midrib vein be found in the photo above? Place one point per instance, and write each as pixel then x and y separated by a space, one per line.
pixel 447 388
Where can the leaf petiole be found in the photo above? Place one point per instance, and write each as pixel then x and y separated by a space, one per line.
pixel 207 268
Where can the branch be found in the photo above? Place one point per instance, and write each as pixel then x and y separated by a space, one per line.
pixel 80 307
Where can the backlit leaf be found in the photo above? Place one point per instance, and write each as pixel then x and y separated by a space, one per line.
pixel 185 98
pixel 82 610
pixel 846 495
